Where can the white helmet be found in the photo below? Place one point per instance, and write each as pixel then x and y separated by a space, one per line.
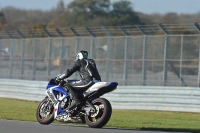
pixel 82 55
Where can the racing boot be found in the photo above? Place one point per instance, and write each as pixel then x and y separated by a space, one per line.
pixel 75 101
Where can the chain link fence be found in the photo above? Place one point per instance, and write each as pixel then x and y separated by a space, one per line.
pixel 153 60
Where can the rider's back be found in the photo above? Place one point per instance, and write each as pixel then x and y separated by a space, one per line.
pixel 88 70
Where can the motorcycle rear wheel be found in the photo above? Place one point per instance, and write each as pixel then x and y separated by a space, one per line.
pixel 102 114
pixel 45 112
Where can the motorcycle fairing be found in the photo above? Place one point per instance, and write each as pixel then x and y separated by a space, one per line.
pixel 58 110
pixel 100 88
pixel 97 86
pixel 51 89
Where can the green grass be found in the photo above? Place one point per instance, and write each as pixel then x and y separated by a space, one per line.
pixel 12 109
pixel 155 120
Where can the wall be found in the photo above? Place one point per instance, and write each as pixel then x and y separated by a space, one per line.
pixel 185 99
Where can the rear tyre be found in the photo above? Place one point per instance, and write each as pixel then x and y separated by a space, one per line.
pixel 101 116
pixel 45 112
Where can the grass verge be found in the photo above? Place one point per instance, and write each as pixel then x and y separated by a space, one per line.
pixel 12 109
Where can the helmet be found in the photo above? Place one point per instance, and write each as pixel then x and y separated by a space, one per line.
pixel 82 55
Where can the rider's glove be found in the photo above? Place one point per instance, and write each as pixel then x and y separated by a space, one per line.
pixel 57 80
pixel 61 76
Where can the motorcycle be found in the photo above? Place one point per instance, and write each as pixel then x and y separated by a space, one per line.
pixel 94 110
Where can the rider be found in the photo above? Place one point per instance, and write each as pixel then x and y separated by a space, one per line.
pixel 89 75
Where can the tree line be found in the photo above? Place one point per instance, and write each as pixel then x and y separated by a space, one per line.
pixel 81 13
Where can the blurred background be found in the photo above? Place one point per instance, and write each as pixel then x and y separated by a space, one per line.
pixel 134 42
pixel 23 14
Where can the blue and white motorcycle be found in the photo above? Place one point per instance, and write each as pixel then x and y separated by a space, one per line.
pixel 94 110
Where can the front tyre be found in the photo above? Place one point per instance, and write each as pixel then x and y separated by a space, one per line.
pixel 45 112
pixel 101 116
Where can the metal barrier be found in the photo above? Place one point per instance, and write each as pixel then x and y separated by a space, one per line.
pixel 163 60
pixel 139 55
pixel 186 99
pixel 99 31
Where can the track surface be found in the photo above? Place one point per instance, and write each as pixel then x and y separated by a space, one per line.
pixel 7 126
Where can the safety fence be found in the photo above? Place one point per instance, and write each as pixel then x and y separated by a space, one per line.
pixel 151 60
pixel 142 55
pixel 100 31
pixel 183 99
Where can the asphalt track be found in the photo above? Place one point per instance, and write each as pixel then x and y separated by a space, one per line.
pixel 8 126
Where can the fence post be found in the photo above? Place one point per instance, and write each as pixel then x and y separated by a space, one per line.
pixel 198 27
pixel 77 43
pixel 76 51
pixel 108 56
pixel 166 52
pixel 125 77
pixel 11 53
pixel 0 46
pixel 34 52
pixel 92 49
pixel 34 57
pixel 62 49
pixel 22 59
pixel 62 55
pixel 49 58
pixel 0 50
pixel 199 69
pixel 22 54
pixel 92 55
pixel 49 53
pixel 144 66
pixel 181 58
pixel 11 57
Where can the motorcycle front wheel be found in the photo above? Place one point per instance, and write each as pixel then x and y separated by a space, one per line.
pixel 101 116
pixel 45 112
